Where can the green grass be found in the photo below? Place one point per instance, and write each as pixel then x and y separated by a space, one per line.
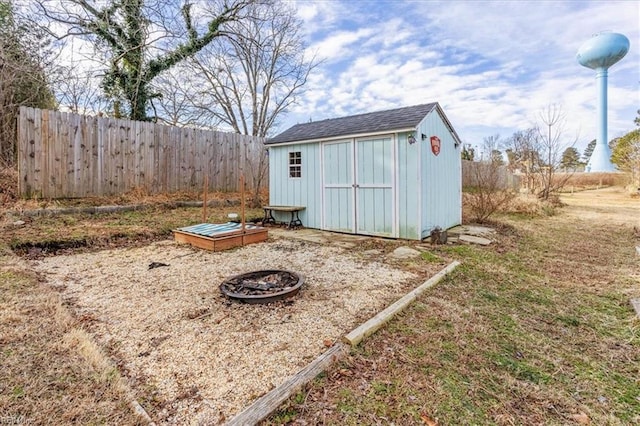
pixel 430 257
pixel 535 329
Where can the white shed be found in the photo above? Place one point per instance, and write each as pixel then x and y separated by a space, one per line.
pixel 394 173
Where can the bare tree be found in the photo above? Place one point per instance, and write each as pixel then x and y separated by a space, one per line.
pixel 246 80
pixel 80 92
pixel 522 155
pixel 492 145
pixel 142 38
pixel 178 100
pixel 551 145
pixel 490 188
pixel 250 78
pixel 537 153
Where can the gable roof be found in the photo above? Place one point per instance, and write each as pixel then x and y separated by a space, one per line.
pixel 373 122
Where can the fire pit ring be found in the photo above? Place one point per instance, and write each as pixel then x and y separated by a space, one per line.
pixel 264 286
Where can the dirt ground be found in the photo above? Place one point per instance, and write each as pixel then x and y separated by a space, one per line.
pixel 609 205
pixel 190 355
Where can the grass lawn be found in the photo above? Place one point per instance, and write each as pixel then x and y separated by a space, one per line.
pixel 535 329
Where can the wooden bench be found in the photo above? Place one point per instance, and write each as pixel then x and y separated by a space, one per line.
pixel 294 210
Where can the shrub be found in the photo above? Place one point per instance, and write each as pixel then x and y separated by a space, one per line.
pixel 488 194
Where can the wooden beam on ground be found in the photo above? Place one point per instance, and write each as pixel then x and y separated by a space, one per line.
pixel 269 402
pixel 371 326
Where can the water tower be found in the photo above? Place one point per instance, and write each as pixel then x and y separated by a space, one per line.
pixel 599 53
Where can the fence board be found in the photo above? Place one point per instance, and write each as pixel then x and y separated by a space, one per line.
pixel 63 155
pixel 76 140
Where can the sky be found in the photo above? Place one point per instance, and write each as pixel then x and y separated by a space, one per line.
pixel 494 66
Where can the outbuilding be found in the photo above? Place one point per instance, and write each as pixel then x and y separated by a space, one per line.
pixel 393 173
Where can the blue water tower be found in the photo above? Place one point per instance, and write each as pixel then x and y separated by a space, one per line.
pixel 599 53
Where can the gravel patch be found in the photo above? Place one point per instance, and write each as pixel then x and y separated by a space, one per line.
pixel 193 356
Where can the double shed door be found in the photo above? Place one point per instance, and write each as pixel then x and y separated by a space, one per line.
pixel 359 186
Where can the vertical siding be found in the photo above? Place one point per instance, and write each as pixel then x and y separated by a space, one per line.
pixel 303 191
pixel 338 208
pixel 441 177
pixel 408 187
pixel 374 186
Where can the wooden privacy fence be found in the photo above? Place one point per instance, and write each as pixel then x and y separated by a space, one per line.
pixel 475 173
pixel 65 155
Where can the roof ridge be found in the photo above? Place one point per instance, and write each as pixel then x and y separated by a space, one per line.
pixel 372 112
pixel 376 121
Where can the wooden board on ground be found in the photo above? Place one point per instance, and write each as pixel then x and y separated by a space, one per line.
pixel 371 326
pixel 269 402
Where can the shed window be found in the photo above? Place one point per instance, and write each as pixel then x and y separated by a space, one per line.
pixel 295 164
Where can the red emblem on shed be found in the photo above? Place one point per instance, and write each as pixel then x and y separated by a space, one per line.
pixel 435 145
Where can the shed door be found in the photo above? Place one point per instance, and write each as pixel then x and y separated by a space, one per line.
pixel 338 210
pixel 359 186
pixel 374 181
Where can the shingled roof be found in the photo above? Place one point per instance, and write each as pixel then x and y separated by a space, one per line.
pixel 373 122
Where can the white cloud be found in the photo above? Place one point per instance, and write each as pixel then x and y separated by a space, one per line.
pixel 340 44
pixel 493 66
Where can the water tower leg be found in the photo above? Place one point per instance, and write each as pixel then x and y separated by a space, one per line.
pixel 601 157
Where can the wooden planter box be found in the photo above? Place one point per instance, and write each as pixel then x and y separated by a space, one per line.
pixel 218 237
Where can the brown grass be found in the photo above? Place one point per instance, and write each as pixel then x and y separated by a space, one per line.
pixel 584 181
pixel 521 205
pixel 535 329
pixel 8 185
pixel 10 199
pixel 80 232
pixel 137 196
pixel 52 372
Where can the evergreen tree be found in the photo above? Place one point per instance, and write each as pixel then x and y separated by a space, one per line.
pixel 570 159
pixel 467 153
pixel 589 150
pixel 626 154
pixel 592 145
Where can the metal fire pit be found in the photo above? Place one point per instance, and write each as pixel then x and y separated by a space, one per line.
pixel 262 286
